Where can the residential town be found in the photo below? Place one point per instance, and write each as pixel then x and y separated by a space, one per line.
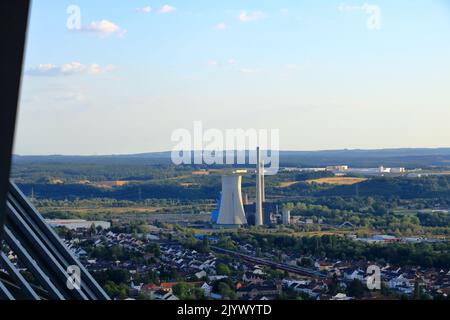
pixel 162 265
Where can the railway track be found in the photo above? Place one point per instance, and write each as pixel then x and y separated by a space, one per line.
pixel 281 266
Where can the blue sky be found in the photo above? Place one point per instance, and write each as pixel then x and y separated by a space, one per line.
pixel 138 70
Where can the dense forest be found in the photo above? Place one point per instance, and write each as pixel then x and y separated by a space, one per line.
pixel 406 188
pixel 371 211
pixel 133 192
pixel 209 188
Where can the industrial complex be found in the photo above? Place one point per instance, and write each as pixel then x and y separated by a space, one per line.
pixel 233 207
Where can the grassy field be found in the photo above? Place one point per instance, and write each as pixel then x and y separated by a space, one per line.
pixel 287 184
pixel 88 211
pixel 93 210
pixel 337 181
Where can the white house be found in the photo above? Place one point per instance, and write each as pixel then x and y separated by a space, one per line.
pixel 341 297
pixel 402 284
pixel 200 275
pixel 207 289
pixel 354 274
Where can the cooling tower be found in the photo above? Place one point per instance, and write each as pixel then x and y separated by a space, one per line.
pixel 232 207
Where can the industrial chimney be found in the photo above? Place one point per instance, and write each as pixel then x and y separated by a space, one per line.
pixel 259 193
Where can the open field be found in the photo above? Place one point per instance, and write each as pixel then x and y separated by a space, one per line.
pixel 112 211
pixel 110 184
pixel 180 211
pixel 337 181
pixel 173 218
pixel 287 184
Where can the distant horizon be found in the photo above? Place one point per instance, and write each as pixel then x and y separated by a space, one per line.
pixel 247 150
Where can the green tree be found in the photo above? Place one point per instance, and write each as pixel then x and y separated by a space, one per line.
pixel 418 291
pixel 226 291
pixel 223 270
pixel 355 289
pixel 181 290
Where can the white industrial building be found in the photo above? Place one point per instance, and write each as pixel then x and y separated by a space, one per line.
pixel 341 168
pixel 376 171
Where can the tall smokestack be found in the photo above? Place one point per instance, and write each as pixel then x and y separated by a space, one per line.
pixel 245 198
pixel 258 204
pixel 286 216
pixel 263 182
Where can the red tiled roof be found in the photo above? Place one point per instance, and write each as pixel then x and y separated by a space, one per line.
pixel 150 286
pixel 168 285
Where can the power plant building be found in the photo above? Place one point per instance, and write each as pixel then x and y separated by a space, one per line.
pixel 233 204
pixel 286 217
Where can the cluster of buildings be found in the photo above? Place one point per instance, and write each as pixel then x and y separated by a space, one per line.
pixel 393 239
pixel 189 263
pixel 197 269
pixel 403 280
pixel 109 239
pixel 200 269
pixel 254 284
pixel 249 280
pixel 365 171
pixel 313 289
pixel 345 169
pixel 400 281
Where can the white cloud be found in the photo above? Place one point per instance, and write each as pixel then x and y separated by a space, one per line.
pixel 167 9
pixel 67 69
pixel 145 10
pixel 245 16
pixel 104 27
pixel 72 68
pixel 97 69
pixel 220 26
pixel 43 69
